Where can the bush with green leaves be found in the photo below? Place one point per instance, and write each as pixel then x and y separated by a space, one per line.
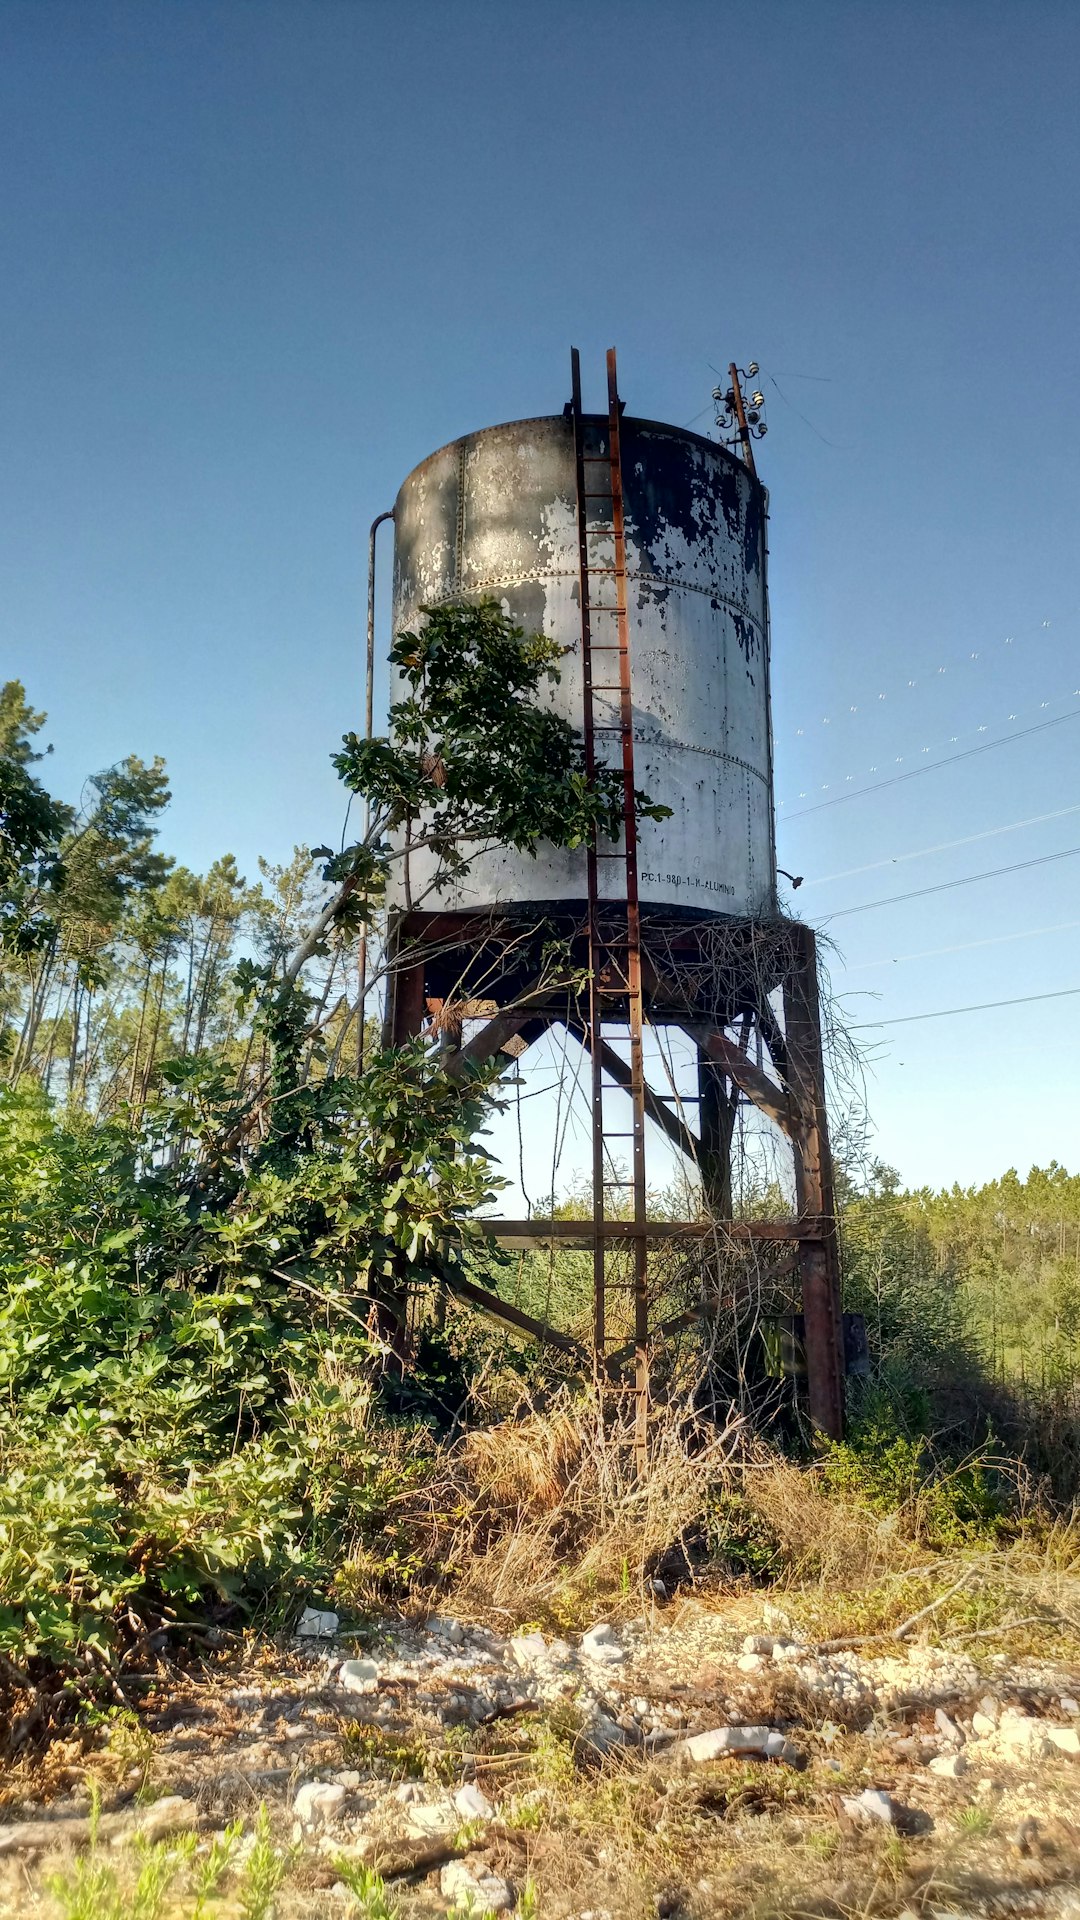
pixel 202 1296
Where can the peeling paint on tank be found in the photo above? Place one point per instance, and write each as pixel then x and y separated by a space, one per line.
pixel 496 513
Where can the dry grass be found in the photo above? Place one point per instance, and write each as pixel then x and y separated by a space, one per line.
pixel 552 1514
pixel 545 1518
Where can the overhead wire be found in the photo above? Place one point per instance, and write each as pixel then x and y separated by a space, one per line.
pixel 943 846
pixel 983 1006
pixel 963 946
pixel 945 886
pixel 924 675
pixel 932 766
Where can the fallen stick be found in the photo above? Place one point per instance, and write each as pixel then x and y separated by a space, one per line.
pixel 901 1632
pixel 156 1822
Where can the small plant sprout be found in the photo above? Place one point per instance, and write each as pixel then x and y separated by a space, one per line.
pixel 975 1822
pixel 368 1890
pixel 264 1872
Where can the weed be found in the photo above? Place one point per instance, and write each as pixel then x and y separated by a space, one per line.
pixel 892 1857
pixel 974 1822
pixel 265 1869
pixel 368 1889
pixel 386 1754
pixel 210 1872
pixel 469 1834
pixel 823 1841
pixel 526 1816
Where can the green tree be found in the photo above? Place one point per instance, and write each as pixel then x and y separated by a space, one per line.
pixel 32 828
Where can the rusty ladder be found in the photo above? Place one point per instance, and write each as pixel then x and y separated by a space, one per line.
pixel 614 919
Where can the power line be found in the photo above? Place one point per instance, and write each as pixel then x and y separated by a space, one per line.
pixel 984 1006
pixel 858 793
pixel 925 674
pixel 943 846
pixel 967 880
pixel 964 946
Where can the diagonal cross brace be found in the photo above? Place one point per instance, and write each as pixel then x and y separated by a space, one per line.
pixel 676 1129
pixel 757 1086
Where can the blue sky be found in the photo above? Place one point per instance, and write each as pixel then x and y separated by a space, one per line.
pixel 259 260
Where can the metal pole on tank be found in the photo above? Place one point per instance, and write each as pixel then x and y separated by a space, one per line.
pixel 740 415
pixel 369 723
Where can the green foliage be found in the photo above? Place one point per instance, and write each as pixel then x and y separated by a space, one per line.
pixel 473 756
pixel 32 826
pixel 100 1888
pixel 188 1379
pixel 368 1889
pixel 740 1537
pixel 202 1289
pixel 942 1503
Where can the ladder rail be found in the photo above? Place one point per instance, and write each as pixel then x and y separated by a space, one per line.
pixel 601 913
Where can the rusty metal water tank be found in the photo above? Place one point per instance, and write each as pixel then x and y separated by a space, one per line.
pixel 494 514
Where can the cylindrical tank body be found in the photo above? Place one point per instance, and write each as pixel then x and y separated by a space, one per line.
pixel 495 514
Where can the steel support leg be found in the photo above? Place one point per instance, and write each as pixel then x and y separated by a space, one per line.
pixel 819 1257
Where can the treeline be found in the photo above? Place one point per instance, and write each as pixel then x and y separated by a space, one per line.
pixel 119 958
pixel 994 1268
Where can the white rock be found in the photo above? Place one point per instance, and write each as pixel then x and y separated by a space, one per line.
pixel 409 1793
pixel 317 1802
pixel 1023 1734
pixel 428 1820
pixel 359 1676
pixel 1068 1704
pixel 948 1766
pixel 946 1726
pixel 600 1644
pixel 485 1892
pixel 527 1648
pixel 603 1735
pixel 472 1804
pixel 1066 1740
pixel 601 1635
pixel 775 1616
pixel 718 1741
pixel 446 1629
pixel 982 1725
pixel 872 1804
pixel 314 1624
pixel 749 1663
pixel 348 1778
pixel 757 1643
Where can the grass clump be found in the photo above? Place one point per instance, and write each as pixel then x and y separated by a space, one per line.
pixel 172 1878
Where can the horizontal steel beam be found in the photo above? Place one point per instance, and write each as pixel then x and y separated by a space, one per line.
pixel 581 1233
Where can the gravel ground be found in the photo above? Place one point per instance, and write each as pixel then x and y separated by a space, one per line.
pixel 663 1767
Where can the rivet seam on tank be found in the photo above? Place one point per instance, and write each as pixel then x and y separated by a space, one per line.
pixel 531 576
pixel 711 753
pixel 459 542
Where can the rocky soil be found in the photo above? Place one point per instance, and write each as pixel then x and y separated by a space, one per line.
pixel 670 1766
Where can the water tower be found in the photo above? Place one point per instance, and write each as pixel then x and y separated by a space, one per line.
pixel 642 549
